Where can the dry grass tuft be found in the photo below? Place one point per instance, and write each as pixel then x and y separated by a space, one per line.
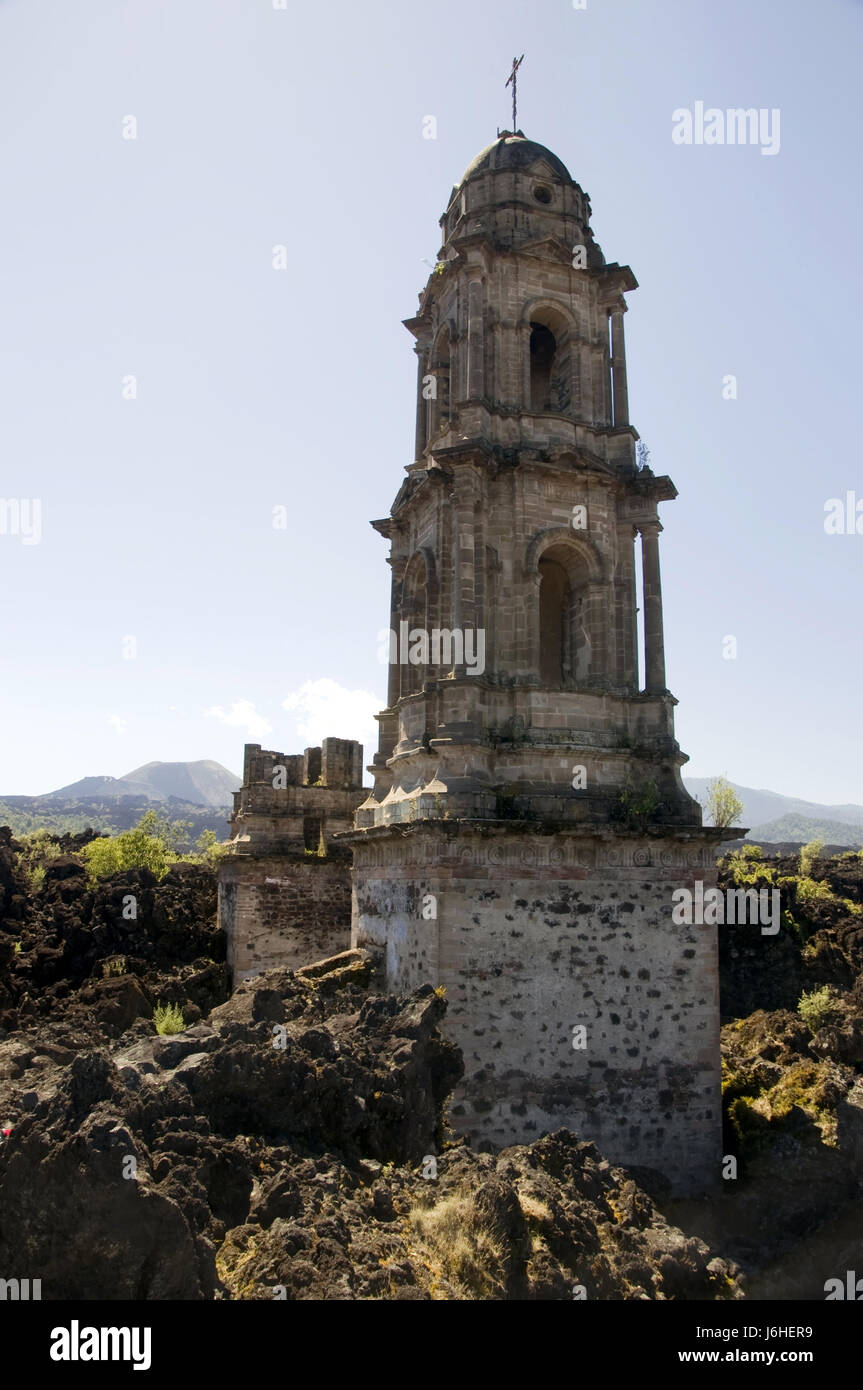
pixel 454 1235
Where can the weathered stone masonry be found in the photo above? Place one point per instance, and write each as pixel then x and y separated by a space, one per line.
pixel 536 934
pixel 528 822
pixel 284 888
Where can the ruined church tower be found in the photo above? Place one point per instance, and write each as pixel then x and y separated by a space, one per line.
pixel 528 823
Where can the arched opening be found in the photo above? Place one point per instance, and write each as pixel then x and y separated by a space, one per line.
pixel 552 339
pixel 565 655
pixel 313 836
pixel 543 347
pixel 554 603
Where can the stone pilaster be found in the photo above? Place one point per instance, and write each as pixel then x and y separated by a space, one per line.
pixel 618 368
pixel 654 643
pixel 422 404
pixel 475 342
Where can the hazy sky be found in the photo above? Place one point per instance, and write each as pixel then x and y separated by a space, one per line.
pixel 152 258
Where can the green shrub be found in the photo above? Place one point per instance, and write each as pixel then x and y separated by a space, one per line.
pixel 208 849
pixel 637 803
pixel 808 854
pixel 37 850
pixel 810 891
pixel 749 1124
pixel 168 1018
pixel 818 1006
pixel 40 844
pixel 148 846
pixel 723 806
pixel 117 965
pixel 746 866
pixel 798 930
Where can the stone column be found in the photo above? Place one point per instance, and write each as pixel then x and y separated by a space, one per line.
pixel 433 402
pixel 522 345
pixel 602 382
pixel 463 608
pixel 654 650
pixel 456 567
pixel 475 344
pixel 398 564
pixel 618 369
pixel 576 408
pixel 497 349
pixel 421 403
pixel 626 623
pixel 585 368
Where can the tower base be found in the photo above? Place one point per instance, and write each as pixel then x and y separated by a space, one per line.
pixel 576 1000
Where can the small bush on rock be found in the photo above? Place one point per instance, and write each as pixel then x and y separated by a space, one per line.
pixel 168 1018
pixel 816 1007
pixel 145 847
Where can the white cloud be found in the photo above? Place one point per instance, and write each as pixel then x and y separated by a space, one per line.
pixel 118 723
pixel 243 715
pixel 325 709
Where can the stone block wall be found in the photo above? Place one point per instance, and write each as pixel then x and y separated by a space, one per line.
pixel 283 910
pixel 536 935
pixel 284 886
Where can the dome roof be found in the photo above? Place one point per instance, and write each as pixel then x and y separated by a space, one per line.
pixel 515 152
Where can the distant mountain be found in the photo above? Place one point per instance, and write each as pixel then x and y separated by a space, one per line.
pixel 199 793
pixel 762 808
pixel 97 789
pixel 804 829
pixel 203 783
pixel 62 815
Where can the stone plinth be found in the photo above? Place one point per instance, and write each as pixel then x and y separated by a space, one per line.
pixel 538 932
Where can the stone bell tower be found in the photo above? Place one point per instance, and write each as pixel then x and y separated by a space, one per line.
pixel 528 823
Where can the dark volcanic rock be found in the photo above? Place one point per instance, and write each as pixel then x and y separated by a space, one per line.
pixel 292 1141
pixel 820 940
pixel 84 1228
pixel 252 1160
pixel 59 941
pixel 142 1158
pixel 549 1220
